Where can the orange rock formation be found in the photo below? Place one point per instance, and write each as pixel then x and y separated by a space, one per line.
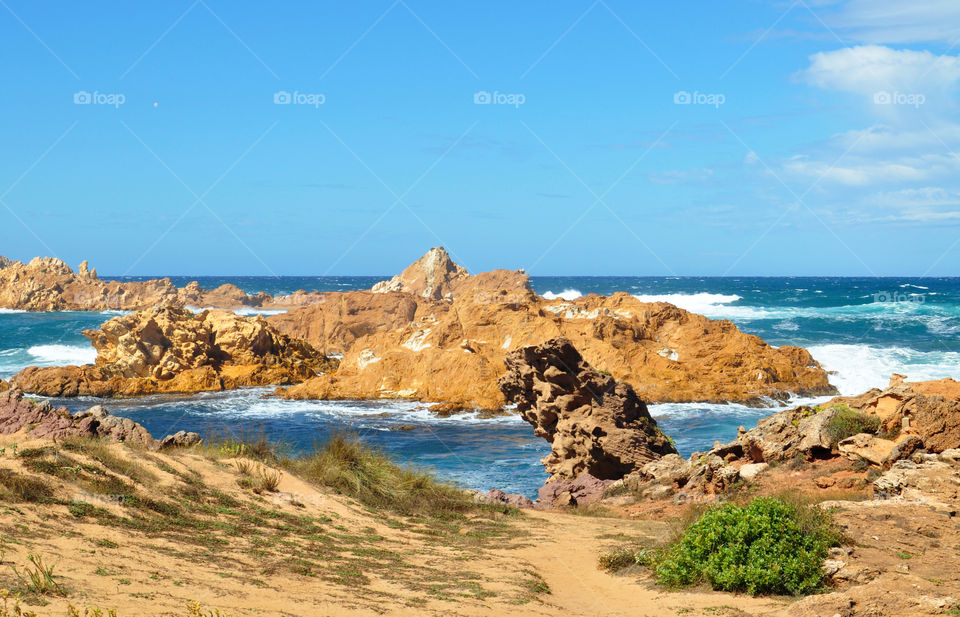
pixel 48 284
pixel 174 350
pixel 436 334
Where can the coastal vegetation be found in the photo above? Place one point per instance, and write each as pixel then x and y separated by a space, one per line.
pixel 848 422
pixel 767 546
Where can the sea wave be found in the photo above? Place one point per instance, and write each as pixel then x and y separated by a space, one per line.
pixel 6 311
pixel 248 404
pixel 242 311
pixel 57 355
pixel 566 294
pixel 939 319
pixel 704 303
pixel 861 367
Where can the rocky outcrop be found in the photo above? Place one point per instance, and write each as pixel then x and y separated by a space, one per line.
pixel 48 284
pixel 595 424
pixel 42 420
pixel 928 409
pixel 432 276
pixel 403 345
pixel 803 435
pixel 174 350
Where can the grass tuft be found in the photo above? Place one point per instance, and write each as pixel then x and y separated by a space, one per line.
pixel 18 487
pixel 368 475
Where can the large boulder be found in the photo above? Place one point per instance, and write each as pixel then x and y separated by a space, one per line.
pixel 174 350
pixel 595 424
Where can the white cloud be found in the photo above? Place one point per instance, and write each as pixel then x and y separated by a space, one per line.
pixel 897 21
pixel 868 69
pixel 861 171
pixel 916 205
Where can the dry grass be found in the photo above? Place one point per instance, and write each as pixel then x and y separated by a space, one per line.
pixel 268 480
pixel 366 474
pixel 16 487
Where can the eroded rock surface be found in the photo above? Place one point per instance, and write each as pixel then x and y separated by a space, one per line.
pixel 175 350
pixel 41 419
pixel 48 284
pixel 434 275
pixel 407 342
pixel 598 428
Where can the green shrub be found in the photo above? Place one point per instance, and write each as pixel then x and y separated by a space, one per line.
pixel 767 546
pixel 848 422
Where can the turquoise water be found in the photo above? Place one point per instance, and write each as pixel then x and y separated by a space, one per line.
pixel 861 328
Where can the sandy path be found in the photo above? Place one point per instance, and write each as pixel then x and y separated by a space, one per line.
pixel 565 555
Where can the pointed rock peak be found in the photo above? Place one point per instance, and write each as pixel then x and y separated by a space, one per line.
pixel 4 262
pixel 431 276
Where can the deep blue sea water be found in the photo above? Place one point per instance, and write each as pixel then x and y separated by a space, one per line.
pixel 864 329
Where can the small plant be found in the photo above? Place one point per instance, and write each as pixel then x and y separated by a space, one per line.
pixel 624 557
pixel 767 546
pixel 848 422
pixel 14 610
pixel 243 466
pixel 38 577
pixel 268 479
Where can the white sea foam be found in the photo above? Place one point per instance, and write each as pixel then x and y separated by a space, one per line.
pixel 57 355
pixel 247 404
pixel 245 311
pixel 692 411
pixel 6 311
pixel 708 304
pixel 566 294
pixel 861 367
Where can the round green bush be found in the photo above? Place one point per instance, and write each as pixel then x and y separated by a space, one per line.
pixel 767 546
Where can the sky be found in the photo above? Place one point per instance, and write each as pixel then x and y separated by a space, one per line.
pixel 595 137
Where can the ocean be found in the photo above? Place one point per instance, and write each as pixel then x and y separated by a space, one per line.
pixel 862 329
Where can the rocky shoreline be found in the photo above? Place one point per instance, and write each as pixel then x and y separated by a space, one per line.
pixel 580 373
pixel 174 350
pixel 433 333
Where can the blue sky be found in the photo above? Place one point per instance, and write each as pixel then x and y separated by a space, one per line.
pixel 819 136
